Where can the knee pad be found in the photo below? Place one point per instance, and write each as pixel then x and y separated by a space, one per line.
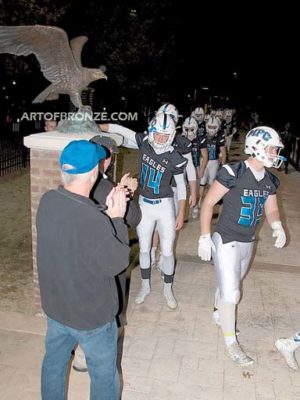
pixel 167 244
pixel 144 247
pixel 168 265
pixel 231 297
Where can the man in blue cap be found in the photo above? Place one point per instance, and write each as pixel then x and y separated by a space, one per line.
pixel 81 247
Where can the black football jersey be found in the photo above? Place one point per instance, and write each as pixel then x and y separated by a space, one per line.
pixel 198 143
pixel 244 203
pixel 229 127
pixel 157 170
pixel 201 129
pixel 214 144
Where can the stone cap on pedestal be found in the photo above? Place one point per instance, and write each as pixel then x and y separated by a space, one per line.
pixel 55 140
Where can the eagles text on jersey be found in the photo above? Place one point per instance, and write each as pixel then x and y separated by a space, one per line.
pixel 157 170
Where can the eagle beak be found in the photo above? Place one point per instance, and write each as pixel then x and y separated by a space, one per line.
pixel 102 76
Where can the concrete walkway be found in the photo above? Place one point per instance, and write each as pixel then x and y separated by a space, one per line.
pixel 180 354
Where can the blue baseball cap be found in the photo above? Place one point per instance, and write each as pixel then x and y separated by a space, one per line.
pixel 81 156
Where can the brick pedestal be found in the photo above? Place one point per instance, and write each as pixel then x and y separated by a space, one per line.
pixel 44 175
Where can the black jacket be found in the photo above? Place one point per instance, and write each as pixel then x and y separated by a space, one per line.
pixel 80 250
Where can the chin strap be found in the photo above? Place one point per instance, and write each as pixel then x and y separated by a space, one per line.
pixel 163 149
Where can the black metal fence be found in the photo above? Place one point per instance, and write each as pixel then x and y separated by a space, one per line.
pixel 13 154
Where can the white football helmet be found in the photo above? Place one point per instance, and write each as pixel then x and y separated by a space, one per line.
pixel 219 114
pixel 169 109
pixel 212 126
pixel 198 114
pixel 227 116
pixel 189 128
pixel 265 145
pixel 161 124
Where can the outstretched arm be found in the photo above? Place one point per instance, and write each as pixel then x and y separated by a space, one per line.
pixel 128 134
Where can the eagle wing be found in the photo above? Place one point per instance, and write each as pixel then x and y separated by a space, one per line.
pixel 76 46
pixel 49 44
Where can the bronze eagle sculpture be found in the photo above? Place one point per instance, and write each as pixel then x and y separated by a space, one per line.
pixel 60 60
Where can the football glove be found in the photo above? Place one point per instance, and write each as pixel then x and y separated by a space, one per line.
pixel 278 232
pixel 205 246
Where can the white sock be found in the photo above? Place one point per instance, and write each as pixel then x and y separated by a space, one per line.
pixel 229 340
pixel 227 319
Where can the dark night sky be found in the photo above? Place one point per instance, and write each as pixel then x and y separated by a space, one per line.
pixel 261 46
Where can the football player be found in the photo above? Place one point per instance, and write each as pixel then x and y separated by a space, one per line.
pixel 247 188
pixel 199 150
pixel 160 163
pixel 229 128
pixel 199 116
pixel 184 147
pixel 215 141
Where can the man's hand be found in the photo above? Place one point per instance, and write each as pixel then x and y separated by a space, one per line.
pixel 116 203
pixel 128 182
pixel 279 233
pixel 205 246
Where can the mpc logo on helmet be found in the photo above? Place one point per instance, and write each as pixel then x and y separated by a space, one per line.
pixel 262 133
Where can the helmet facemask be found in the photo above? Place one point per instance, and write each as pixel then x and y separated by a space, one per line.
pixel 273 155
pixel 212 126
pixel 227 116
pixel 161 132
pixel 189 128
pixel 219 114
pixel 198 114
pixel 190 133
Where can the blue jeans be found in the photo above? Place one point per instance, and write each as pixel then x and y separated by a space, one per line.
pixel 100 349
